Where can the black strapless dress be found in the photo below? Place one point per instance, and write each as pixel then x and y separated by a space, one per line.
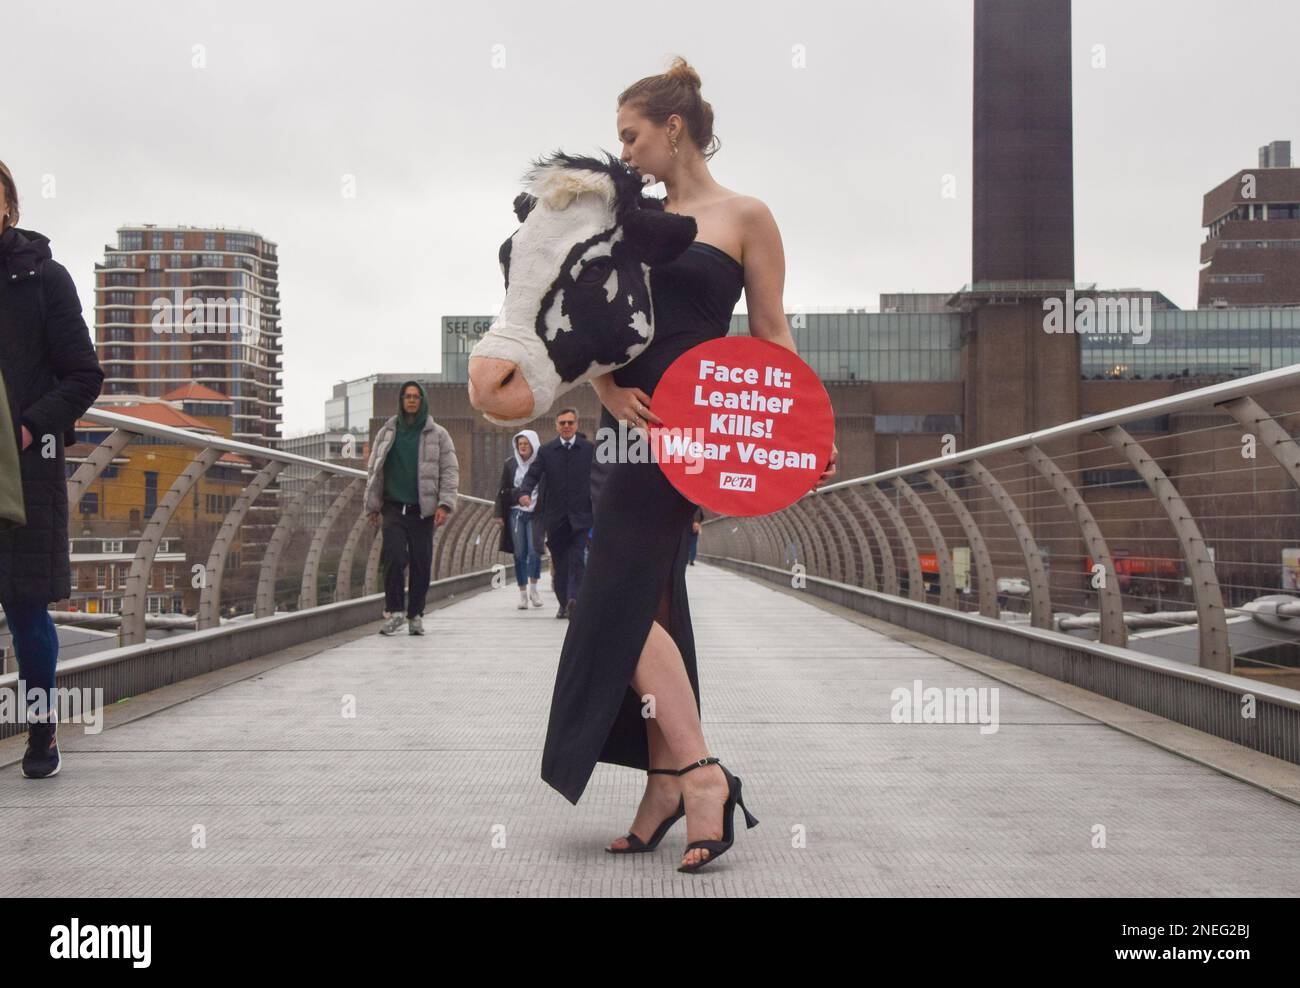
pixel 636 567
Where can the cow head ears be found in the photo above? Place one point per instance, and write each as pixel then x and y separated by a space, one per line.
pixel 655 236
pixel 524 204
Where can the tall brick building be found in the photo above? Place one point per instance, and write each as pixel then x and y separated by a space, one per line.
pixel 1251 251
pixel 181 304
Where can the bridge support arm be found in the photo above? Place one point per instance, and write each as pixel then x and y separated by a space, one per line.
pixel 1040 597
pixel 988 589
pixel 1212 620
pixel 210 595
pixel 135 599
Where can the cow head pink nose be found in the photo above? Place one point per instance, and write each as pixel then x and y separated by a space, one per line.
pixel 498 388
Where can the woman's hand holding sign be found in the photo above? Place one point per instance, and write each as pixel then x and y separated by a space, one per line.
pixel 630 405
pixel 830 467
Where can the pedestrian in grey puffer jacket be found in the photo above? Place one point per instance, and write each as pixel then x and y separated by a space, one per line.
pixel 412 482
pixel 439 475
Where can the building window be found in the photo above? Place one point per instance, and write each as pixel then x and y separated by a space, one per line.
pixel 90 504
pixel 939 424
pixel 209 241
pixel 150 493
pixel 178 242
pixel 1236 279
pixel 101 577
pixel 111 545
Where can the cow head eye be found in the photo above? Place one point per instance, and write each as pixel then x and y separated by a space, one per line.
pixel 596 271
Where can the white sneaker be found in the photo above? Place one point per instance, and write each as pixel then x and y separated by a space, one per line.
pixel 523 599
pixel 394 624
pixel 416 625
pixel 534 595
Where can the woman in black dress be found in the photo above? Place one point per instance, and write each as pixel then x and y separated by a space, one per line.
pixel 630 647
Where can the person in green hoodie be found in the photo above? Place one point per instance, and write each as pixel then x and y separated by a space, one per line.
pixel 412 481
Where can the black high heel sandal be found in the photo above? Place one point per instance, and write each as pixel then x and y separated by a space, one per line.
pixel 717 848
pixel 635 845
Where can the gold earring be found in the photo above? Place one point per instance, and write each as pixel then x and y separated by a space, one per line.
pixel 674 144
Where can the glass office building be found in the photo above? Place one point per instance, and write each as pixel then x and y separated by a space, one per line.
pixel 926 346
pixel 1192 342
pixel 459 334
pixel 875 346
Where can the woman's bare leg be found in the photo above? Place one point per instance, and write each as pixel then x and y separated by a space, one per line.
pixel 662 792
pixel 661 674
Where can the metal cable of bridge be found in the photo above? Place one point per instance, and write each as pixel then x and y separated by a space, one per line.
pixel 343 580
pixel 915 584
pixel 795 515
pixel 284 529
pixel 308 594
pixel 838 506
pixel 888 567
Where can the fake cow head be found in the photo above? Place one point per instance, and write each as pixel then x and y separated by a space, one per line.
pixel 577 278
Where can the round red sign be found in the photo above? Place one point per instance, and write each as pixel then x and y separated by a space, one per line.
pixel 747 426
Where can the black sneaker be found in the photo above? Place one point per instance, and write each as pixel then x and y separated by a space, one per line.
pixel 41 759
pixel 571 609
pixel 560 612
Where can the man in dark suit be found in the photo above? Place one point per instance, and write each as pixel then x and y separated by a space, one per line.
pixel 566 463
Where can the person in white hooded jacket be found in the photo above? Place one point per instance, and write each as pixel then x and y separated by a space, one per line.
pixel 519 524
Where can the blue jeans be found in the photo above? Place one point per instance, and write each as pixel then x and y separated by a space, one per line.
pixel 528 561
pixel 36 643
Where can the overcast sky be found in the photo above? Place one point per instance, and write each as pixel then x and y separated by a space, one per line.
pixel 436 112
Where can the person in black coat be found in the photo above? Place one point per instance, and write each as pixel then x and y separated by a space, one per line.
pixel 51 377
pixel 565 462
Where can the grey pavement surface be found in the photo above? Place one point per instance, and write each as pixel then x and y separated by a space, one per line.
pixel 265 787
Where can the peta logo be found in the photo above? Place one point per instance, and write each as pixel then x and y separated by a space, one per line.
pixel 98 942
pixel 737 481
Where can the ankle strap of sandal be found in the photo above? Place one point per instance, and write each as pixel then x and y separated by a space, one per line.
pixel 700 763
pixel 661 771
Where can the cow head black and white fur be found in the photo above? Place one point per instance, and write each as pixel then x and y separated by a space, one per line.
pixel 577 281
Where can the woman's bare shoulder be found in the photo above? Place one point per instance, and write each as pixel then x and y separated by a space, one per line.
pixel 749 208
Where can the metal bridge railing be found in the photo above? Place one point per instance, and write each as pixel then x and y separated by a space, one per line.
pixel 163 519
pixel 1172 525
